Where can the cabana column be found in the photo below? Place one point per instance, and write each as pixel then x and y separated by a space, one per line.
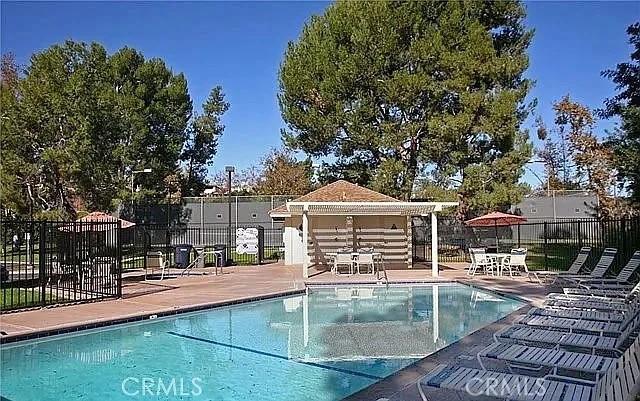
pixel 434 244
pixel 305 242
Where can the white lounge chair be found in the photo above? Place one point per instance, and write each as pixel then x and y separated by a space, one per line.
pixel 535 358
pixel 620 281
pixel 618 383
pixel 591 343
pixel 598 272
pixel 603 316
pixel 580 326
pixel 623 292
pixel 576 266
pixel 589 303
pixel 489 385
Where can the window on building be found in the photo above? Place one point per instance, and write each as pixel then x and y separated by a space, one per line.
pixel 254 215
pixel 219 216
pixel 533 210
pixel 577 210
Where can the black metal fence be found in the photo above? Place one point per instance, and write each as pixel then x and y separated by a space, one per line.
pixel 47 262
pixel 551 245
pixel 138 240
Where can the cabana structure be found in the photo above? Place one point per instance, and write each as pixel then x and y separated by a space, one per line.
pixel 344 215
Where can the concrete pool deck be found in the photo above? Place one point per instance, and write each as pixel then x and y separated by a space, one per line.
pixel 238 283
pixel 243 283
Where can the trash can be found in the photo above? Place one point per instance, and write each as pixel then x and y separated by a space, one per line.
pixel 220 252
pixel 183 255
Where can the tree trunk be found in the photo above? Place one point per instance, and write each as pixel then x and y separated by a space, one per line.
pixel 410 172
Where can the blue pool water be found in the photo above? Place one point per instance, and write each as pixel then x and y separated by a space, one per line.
pixel 322 346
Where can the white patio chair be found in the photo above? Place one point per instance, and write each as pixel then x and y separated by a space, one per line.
pixel 473 267
pixel 155 261
pixel 516 260
pixel 342 259
pixel 365 259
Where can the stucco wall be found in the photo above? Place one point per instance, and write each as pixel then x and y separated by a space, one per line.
pixel 387 234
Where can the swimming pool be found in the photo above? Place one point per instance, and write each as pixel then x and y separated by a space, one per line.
pixel 322 346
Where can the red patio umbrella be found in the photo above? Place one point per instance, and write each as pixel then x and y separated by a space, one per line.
pixel 496 219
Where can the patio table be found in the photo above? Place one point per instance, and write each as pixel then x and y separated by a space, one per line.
pixel 499 257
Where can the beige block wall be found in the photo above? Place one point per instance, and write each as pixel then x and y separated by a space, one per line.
pixel 386 234
pixel 390 235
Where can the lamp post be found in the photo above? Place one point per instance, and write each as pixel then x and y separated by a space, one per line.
pixel 133 174
pixel 548 184
pixel 229 170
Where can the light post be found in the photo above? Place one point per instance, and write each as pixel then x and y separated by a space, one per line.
pixel 542 182
pixel 548 183
pixel 229 170
pixel 133 174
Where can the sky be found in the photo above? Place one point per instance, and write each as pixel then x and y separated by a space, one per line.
pixel 240 46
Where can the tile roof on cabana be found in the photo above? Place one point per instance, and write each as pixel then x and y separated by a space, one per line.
pixel 344 198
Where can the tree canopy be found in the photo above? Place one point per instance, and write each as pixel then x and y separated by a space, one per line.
pixel 78 122
pixel 389 91
pixel 626 105
pixel 282 174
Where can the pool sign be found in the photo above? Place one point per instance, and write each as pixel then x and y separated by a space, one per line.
pixel 247 241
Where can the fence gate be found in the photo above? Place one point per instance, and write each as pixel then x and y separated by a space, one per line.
pixel 451 241
pixel 45 263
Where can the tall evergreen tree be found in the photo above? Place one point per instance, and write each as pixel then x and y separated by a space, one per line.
pixel 626 105
pixel 393 89
pixel 202 142
pixel 77 122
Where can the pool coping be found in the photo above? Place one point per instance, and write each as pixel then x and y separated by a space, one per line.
pixel 387 382
pixel 76 327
